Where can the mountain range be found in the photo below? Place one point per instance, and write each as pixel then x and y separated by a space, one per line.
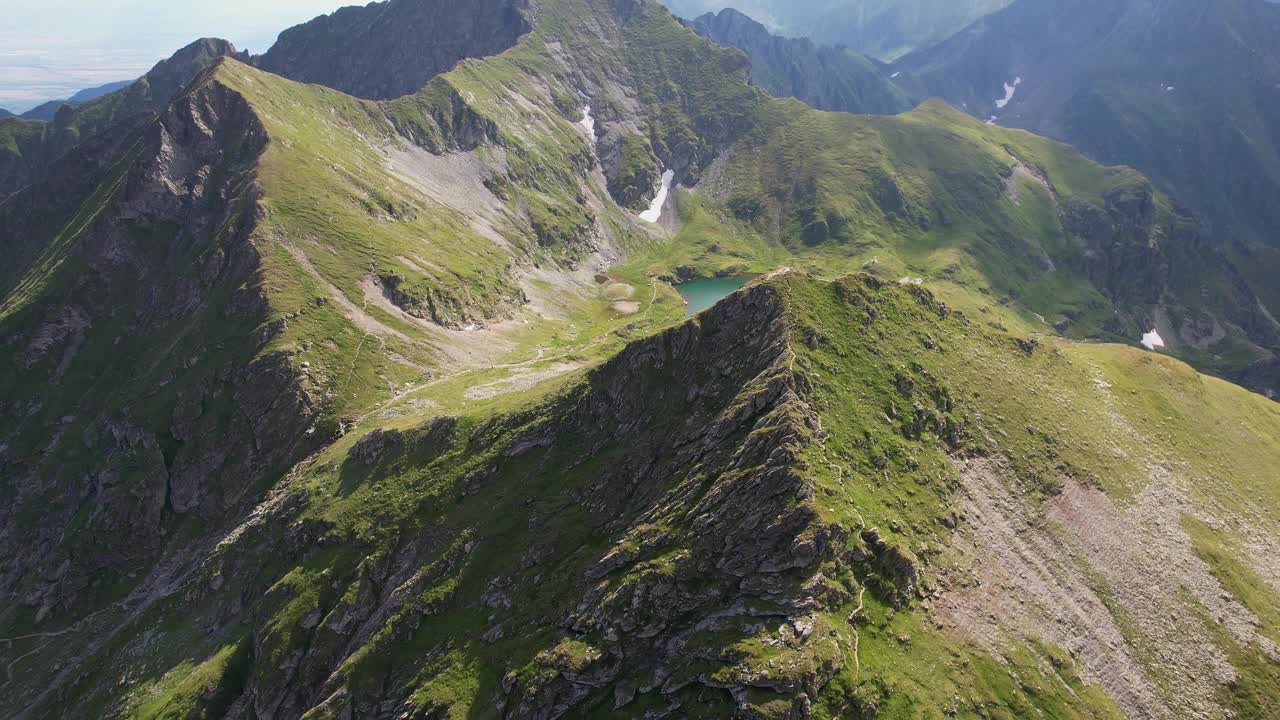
pixel 28 147
pixel 354 380
pixel 884 29
pixel 1183 91
pixel 824 77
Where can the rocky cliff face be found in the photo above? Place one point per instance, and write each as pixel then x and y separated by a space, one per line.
pixel 828 78
pixel 682 511
pixel 390 49
pixel 695 512
pixel 32 147
pixel 1123 252
pixel 163 274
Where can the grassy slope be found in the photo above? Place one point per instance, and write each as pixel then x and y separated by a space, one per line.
pixel 922 194
pixel 327 191
pixel 906 666
pixel 1144 92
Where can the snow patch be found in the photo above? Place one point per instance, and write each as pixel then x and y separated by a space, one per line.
pixel 895 75
pixel 911 281
pixel 1152 340
pixel 654 213
pixel 1009 91
pixel 587 122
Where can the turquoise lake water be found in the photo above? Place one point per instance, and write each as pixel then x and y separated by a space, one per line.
pixel 702 294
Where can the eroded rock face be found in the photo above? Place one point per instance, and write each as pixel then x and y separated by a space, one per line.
pixel 390 49
pixel 39 145
pixel 712 528
pixel 161 431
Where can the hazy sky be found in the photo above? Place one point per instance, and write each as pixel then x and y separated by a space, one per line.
pixel 51 48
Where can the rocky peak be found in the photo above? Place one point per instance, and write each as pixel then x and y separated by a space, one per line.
pixel 828 78
pixel 167 260
pixel 38 146
pixel 390 49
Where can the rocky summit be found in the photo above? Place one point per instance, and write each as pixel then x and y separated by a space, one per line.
pixel 354 380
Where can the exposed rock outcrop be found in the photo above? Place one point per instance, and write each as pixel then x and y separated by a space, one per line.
pixel 389 49
pixel 171 237
pixel 36 146
pixel 1124 253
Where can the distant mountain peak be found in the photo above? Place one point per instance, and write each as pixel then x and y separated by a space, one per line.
pixel 827 78
pixel 392 48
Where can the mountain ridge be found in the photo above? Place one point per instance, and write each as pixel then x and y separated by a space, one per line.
pixel 28 147
pixel 1141 95
pixel 824 77
pixel 878 28
pixel 48 111
pixel 328 50
pixel 300 397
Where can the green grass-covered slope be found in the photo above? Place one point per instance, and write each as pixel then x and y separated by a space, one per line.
pixel 1179 90
pixel 768 511
pixel 265 263
pixel 259 268
pixel 1095 251
pixel 989 214
pixel 330 406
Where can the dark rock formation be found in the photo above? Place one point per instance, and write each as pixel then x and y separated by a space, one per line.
pixel 157 281
pixel 1124 256
pixel 828 78
pixel 390 49
pixel 37 145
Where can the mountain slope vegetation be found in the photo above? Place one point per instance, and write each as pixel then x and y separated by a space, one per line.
pixel 49 111
pixel 335 407
pixel 1183 91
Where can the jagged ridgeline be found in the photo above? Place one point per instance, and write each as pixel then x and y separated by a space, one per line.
pixel 827 78
pixel 28 147
pixel 377 405
pixel 817 499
